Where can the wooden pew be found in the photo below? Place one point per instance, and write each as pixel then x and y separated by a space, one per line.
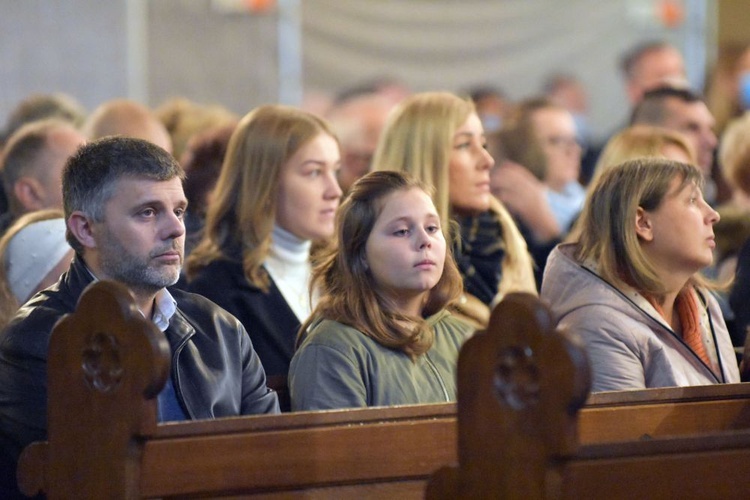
pixel 104 441
pixel 670 411
pixel 522 386
pixel 106 366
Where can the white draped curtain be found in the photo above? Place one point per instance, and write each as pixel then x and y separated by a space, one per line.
pixel 101 50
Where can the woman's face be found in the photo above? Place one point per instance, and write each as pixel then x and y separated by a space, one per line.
pixel 308 190
pixel 556 132
pixel 678 236
pixel 405 251
pixel 469 168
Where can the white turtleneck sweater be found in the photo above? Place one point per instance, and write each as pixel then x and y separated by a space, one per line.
pixel 288 263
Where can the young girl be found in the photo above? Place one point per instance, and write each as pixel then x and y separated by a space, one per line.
pixel 438 138
pixel 276 194
pixel 631 286
pixel 381 334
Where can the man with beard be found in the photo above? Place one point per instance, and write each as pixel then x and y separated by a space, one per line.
pixel 124 207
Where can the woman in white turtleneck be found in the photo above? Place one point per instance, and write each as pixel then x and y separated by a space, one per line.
pixel 277 193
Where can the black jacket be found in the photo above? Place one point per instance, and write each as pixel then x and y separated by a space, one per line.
pixel 266 316
pixel 215 371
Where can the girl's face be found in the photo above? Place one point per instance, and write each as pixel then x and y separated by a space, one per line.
pixel 405 251
pixel 308 190
pixel 556 132
pixel 469 168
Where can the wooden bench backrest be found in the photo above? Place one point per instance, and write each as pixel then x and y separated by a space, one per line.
pixel 518 427
pixel 107 364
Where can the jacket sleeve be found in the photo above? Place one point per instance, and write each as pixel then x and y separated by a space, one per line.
pixel 257 398
pixel 323 377
pixel 615 362
pixel 23 396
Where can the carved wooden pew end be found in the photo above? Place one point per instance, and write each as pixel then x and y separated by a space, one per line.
pixel 520 384
pixel 108 377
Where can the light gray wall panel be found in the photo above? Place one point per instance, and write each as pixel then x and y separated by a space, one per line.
pixel 198 52
pixel 74 46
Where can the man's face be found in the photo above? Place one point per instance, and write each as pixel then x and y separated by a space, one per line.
pixel 663 66
pixel 141 241
pixel 697 123
pixel 61 144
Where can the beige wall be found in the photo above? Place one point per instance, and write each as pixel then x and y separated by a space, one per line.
pixel 155 49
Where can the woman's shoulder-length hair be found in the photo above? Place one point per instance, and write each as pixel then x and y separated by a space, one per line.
pixel 608 237
pixel 243 211
pixel 348 291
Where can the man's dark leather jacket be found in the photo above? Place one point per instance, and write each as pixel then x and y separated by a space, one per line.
pixel 215 371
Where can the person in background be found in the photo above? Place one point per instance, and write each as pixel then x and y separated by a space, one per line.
pixel 523 193
pixel 358 123
pixel 438 138
pixel 128 119
pixel 492 106
pixel 37 107
pixel 185 119
pixel 728 87
pixel 277 193
pixel 631 286
pixel 32 163
pixel 541 125
pixel 734 156
pixel 569 92
pixel 202 161
pixel 684 111
pixel 649 65
pixel 380 334
pixel 641 141
pixel 734 227
pixel 540 138
pixel 124 207
pixel 34 254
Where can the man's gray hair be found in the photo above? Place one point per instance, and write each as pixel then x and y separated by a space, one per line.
pixel 90 176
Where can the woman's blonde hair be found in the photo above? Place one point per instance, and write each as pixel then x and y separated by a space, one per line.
pixel 734 153
pixel 348 291
pixel 243 211
pixel 608 235
pixel 640 141
pixel 636 141
pixel 8 301
pixel 418 139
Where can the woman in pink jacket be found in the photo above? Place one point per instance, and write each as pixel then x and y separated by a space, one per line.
pixel 631 285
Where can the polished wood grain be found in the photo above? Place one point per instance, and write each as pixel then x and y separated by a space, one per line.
pixel 654 444
pixel 104 441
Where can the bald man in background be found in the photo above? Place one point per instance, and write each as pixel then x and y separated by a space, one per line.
pixel 129 119
pixel 32 163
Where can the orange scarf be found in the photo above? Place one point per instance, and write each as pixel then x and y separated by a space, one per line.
pixel 687 311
